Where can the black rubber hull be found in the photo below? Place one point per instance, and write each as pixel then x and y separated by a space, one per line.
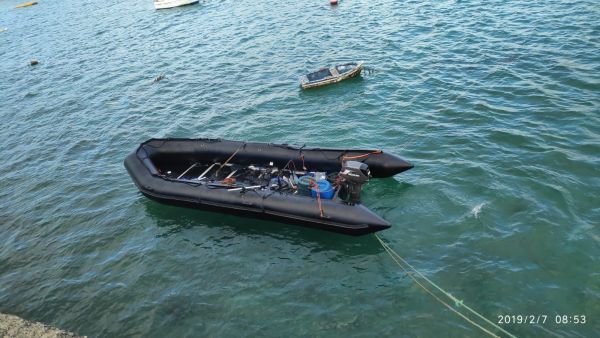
pixel 287 208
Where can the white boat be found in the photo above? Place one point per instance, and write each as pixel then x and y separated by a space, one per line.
pixel 161 4
pixel 334 74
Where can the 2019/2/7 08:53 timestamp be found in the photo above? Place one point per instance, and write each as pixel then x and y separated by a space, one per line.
pixel 541 319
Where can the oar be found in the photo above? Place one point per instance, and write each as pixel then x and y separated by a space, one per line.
pixel 254 187
pixel 188 169
pixel 230 157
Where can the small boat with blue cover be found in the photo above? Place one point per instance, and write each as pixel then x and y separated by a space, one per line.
pixel 325 76
pixel 314 187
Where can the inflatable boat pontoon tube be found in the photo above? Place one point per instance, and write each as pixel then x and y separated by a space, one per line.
pixel 201 174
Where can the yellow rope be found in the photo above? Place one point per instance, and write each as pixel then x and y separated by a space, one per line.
pixel 458 303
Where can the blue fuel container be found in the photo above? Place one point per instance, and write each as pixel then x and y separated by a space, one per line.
pixel 325 190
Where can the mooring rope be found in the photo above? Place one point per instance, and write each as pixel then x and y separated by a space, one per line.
pixel 344 158
pixel 457 302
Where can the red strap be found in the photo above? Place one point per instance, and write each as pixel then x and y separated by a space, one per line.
pixel 303 165
pixel 361 156
pixel 316 186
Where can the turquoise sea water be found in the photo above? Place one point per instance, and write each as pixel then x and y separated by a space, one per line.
pixel 497 103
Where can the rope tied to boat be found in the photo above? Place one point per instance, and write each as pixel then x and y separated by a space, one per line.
pixel 314 185
pixel 345 158
pixel 303 165
pixel 301 156
pixel 406 267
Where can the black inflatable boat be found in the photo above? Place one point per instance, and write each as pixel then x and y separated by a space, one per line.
pixel 315 187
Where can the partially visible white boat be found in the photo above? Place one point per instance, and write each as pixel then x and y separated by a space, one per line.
pixel 161 4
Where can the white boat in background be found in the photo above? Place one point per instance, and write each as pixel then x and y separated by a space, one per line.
pixel 161 4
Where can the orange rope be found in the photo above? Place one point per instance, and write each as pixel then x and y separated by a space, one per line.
pixel 316 186
pixel 344 158
pixel 228 180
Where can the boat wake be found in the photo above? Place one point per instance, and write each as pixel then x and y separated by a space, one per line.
pixel 477 210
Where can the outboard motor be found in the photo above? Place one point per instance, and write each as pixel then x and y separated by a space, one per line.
pixel 354 174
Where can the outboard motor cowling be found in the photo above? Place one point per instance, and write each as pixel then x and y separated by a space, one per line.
pixel 353 175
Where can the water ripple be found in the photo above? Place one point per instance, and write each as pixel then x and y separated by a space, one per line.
pixel 495 102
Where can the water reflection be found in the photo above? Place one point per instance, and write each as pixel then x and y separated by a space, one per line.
pixel 172 221
pixel 353 85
